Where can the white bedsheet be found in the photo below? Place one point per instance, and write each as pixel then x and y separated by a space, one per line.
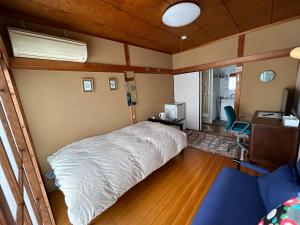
pixel 93 173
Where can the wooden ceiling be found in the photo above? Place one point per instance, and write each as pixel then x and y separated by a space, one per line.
pixel 139 22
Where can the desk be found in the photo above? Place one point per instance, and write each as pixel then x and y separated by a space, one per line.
pixel 271 143
pixel 168 122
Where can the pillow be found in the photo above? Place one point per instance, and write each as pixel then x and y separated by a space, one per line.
pixel 288 213
pixel 278 186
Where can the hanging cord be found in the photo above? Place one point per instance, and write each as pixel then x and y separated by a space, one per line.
pixel 181 56
pixel 183 37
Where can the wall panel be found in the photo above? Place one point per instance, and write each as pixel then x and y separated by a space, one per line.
pixel 224 49
pixel 153 91
pixel 275 37
pixel 256 95
pixel 145 57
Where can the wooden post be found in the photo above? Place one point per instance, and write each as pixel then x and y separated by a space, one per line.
pixel 132 107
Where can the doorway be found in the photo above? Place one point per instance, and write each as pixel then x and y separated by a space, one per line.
pixel 219 88
pixel 205 94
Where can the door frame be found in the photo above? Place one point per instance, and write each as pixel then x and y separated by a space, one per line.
pixel 238 89
pixel 200 100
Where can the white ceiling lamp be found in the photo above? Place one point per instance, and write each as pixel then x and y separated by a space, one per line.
pixel 181 14
pixel 295 53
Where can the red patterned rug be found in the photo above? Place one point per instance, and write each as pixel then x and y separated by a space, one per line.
pixel 212 143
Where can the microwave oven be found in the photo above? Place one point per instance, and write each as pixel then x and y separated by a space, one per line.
pixel 175 111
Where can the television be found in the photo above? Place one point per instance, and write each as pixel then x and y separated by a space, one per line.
pixel 287 101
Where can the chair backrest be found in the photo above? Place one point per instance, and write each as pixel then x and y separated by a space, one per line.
pixel 231 117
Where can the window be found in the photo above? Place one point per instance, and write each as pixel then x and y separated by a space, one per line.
pixel 8 194
pixel 232 83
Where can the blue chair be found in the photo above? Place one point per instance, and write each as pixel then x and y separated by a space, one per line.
pixel 238 128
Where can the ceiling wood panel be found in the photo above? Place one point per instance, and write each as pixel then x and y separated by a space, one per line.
pixel 281 11
pixel 69 22
pixel 258 12
pixel 139 22
pixel 215 19
pixel 151 12
pixel 139 33
pixel 110 16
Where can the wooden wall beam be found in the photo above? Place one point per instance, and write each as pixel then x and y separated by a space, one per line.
pixel 41 64
pixel 243 59
pixel 3 52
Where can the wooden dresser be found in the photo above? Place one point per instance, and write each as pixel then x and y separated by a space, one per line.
pixel 271 143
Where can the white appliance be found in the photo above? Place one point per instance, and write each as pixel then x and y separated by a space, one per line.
pixel 175 111
pixel 41 46
pixel 225 102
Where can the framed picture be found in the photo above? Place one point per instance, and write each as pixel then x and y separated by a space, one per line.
pixel 113 85
pixel 87 84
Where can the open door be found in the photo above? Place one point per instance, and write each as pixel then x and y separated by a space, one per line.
pixel 187 89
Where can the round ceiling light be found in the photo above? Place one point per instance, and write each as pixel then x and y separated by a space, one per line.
pixel 181 14
pixel 295 53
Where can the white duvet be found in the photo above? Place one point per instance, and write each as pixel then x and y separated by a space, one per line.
pixel 94 172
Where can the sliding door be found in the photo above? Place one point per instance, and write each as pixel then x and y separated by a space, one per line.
pixel 207 96
pixel 187 88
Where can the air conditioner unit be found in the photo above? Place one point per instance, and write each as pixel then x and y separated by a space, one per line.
pixel 41 46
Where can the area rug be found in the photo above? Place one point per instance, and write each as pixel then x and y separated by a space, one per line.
pixel 212 143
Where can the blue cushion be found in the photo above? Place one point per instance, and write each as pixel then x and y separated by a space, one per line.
pixel 233 199
pixel 278 186
pixel 298 168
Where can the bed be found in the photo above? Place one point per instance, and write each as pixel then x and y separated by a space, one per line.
pixel 94 172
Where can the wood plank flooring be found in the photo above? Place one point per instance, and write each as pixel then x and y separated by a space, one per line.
pixel 169 196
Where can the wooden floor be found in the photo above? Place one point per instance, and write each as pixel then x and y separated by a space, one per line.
pixel 169 196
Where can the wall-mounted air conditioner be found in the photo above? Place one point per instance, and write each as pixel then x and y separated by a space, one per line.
pixel 29 44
